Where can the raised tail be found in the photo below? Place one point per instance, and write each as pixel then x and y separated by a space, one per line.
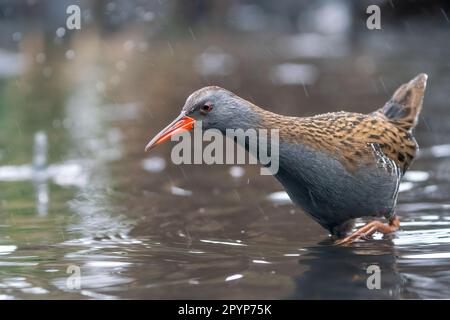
pixel 404 107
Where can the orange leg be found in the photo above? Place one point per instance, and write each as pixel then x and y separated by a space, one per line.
pixel 369 229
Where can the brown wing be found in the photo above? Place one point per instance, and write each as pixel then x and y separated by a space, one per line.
pixel 349 137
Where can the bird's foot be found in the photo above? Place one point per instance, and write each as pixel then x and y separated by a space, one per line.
pixel 369 229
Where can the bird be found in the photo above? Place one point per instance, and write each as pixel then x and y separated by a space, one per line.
pixel 337 166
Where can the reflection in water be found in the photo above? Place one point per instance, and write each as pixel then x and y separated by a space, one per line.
pixel 334 271
pixel 39 172
pixel 40 148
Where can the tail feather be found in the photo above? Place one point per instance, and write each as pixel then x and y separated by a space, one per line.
pixel 406 103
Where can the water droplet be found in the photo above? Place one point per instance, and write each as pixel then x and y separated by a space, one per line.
pixel 294 74
pixel 60 32
pixel 16 36
pixel 236 171
pixel 121 65
pixel 70 54
pixel 47 72
pixel 129 45
pixel 40 57
pixel 100 86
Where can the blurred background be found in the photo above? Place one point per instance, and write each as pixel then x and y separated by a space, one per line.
pixel 78 106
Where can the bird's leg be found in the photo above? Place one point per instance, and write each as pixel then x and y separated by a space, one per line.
pixel 370 228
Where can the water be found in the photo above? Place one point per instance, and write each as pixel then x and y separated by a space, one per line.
pixel 138 226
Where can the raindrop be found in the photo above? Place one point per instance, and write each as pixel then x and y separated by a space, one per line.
pixel 100 86
pixel 154 164
pixel 237 172
pixel 129 45
pixel 148 16
pixel 247 17
pixel 60 32
pixel 121 65
pixel 333 17
pixel 47 72
pixel 144 15
pixel 115 80
pixel 445 15
pixel 40 57
pixel 142 46
pixel 313 45
pixel 70 54
pixel 16 36
pixel 111 6
pixel 365 64
pixel 214 62
pixel 294 74
pixel 67 123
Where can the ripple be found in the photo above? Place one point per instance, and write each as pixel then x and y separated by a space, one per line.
pixel 438 151
pixel 4 250
pixel 437 255
pixel 177 191
pixel 17 264
pixel 421 206
pixel 107 264
pixel 405 186
pixel 421 237
pixel 261 262
pixel 223 242
pixel 416 176
pixel 280 197
pixel 35 290
pixel 234 277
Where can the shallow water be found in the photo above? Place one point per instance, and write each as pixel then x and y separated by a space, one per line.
pixel 138 226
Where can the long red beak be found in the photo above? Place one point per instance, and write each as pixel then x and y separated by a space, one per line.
pixel 180 124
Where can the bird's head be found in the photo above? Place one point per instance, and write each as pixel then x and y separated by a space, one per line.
pixel 216 107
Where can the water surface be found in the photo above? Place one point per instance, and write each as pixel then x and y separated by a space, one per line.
pixel 138 226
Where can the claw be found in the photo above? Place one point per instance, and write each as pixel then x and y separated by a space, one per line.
pixel 369 229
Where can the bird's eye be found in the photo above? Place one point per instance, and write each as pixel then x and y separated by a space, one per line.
pixel 206 108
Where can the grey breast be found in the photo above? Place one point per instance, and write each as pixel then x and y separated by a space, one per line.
pixel 324 188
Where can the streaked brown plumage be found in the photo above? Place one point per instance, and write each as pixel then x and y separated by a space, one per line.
pixel 348 136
